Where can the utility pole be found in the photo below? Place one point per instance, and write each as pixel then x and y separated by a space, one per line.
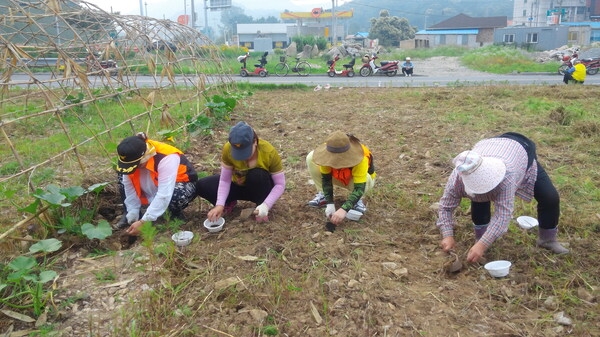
pixel 206 19
pixel 333 23
pixel 141 8
pixel 193 15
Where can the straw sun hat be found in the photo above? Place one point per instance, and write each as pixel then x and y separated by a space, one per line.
pixel 479 174
pixel 339 151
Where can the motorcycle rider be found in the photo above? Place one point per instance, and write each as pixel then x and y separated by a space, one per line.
pixel 576 73
pixel 407 67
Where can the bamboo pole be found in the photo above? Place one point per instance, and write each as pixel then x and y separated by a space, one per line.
pixel 24 221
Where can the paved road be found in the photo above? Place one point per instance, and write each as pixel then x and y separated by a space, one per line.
pixel 356 81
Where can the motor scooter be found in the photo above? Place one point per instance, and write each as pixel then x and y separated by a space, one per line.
pixel 96 66
pixel 388 68
pixel 259 69
pixel 348 68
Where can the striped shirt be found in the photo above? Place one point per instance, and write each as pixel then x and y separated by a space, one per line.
pixel 518 181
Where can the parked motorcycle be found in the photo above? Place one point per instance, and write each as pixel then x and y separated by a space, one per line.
pixel 388 68
pixel 96 66
pixel 592 65
pixel 259 69
pixel 348 68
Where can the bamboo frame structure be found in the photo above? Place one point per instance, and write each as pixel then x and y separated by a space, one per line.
pixel 62 59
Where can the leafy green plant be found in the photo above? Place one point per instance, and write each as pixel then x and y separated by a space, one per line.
pixel 60 201
pixel 101 232
pixel 199 125
pixel 25 279
pixel 270 330
pixel 221 107
pixel 148 233
pixel 45 330
pixel 105 275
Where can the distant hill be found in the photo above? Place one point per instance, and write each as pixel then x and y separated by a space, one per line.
pixel 422 12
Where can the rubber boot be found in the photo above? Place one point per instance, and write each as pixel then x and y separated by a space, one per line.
pixel 479 231
pixel 547 239
pixel 122 224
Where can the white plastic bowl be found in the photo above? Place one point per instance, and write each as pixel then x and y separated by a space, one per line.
pixel 182 238
pixel 498 268
pixel 527 222
pixel 214 226
pixel 353 215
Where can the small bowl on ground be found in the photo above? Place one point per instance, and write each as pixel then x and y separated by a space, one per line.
pixel 498 268
pixel 182 238
pixel 214 226
pixel 353 215
pixel 527 222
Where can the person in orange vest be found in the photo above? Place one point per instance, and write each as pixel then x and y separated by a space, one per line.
pixel 156 176
pixel 251 170
pixel 342 161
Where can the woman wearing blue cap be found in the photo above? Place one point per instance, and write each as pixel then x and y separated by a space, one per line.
pixel 251 169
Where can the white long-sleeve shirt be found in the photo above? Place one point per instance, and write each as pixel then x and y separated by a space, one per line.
pixel 159 196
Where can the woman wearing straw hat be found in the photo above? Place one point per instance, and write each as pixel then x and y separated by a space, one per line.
pixel 495 171
pixel 251 169
pixel 341 161
pixel 155 175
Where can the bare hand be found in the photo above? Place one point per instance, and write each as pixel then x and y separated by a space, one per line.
pixel 476 252
pixel 338 216
pixel 134 228
pixel 215 213
pixel 448 244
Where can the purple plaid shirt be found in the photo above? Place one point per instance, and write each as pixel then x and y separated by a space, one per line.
pixel 518 181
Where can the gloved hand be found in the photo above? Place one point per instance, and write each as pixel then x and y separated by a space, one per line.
pixel 329 210
pixel 262 213
pixel 263 210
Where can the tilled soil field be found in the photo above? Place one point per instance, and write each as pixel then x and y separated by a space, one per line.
pixel 381 276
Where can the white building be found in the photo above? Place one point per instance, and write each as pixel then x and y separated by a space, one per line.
pixel 542 13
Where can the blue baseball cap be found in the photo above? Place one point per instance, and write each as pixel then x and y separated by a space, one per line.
pixel 241 138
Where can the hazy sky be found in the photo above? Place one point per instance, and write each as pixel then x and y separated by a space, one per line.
pixel 167 8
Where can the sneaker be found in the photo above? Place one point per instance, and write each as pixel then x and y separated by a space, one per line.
pixel 409 75
pixel 318 201
pixel 360 206
pixel 229 207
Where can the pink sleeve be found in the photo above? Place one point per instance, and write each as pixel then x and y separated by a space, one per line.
pixel 224 185
pixel 277 191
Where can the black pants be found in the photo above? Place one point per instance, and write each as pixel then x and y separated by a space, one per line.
pixel 569 78
pixel 407 71
pixel 544 192
pixel 258 186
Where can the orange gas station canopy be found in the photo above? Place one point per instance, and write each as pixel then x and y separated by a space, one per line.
pixel 316 13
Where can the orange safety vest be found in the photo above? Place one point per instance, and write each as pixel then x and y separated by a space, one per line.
pixel 185 171
pixel 345 174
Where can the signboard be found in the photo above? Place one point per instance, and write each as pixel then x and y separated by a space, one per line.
pixel 219 4
pixel 183 19
pixel 553 20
